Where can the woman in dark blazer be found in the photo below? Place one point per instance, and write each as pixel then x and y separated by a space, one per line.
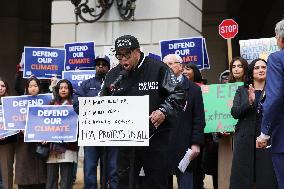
pixel 251 167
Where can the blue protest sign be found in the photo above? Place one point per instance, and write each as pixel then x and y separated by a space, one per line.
pixel 15 109
pixel 78 76
pixel 80 56
pixel 155 56
pixel 3 132
pixel 205 55
pixel 51 123
pixel 189 49
pixel 43 62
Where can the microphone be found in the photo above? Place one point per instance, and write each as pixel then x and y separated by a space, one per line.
pixel 122 75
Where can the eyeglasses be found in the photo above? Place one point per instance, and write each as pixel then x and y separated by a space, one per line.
pixel 126 55
pixel 171 63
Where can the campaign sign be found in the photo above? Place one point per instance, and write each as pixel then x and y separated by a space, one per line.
pixel 78 76
pixel 15 109
pixel 80 56
pixel 114 121
pixel 257 48
pixel 43 62
pixel 218 101
pixel 189 49
pixel 155 56
pixel 3 132
pixel 51 123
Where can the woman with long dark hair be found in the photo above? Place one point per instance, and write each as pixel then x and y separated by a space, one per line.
pixel 238 70
pixel 7 147
pixel 251 167
pixel 30 171
pixel 62 155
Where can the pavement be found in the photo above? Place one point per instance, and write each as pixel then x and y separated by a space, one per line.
pixel 79 182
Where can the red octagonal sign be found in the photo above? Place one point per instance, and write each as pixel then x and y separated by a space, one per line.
pixel 228 28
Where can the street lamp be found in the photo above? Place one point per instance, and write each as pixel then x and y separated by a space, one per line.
pixel 92 13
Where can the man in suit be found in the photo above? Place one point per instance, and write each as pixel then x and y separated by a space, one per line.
pixel 188 132
pixel 273 108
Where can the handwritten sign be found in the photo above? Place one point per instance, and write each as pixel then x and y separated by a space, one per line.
pixel 189 49
pixel 3 132
pixel 15 109
pixel 114 121
pixel 257 48
pixel 218 101
pixel 80 56
pixel 51 123
pixel 43 62
pixel 78 76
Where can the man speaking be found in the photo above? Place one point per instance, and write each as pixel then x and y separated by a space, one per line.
pixel 138 75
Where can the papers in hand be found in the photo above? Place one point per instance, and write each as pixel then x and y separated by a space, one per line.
pixel 183 164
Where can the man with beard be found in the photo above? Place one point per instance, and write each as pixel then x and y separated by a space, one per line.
pixel 91 88
pixel 139 75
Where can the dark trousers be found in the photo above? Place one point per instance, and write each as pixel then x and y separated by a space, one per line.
pixel 66 170
pixel 33 186
pixel 278 164
pixel 153 159
pixel 7 152
pixel 185 180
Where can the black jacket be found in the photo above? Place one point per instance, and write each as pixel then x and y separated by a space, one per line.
pixel 189 126
pixel 249 165
pixel 154 78
pixel 88 88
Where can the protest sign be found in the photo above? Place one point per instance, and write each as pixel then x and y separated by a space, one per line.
pixel 78 76
pixel 79 56
pixel 3 132
pixel 51 123
pixel 218 100
pixel 43 62
pixel 257 48
pixel 15 109
pixel 114 121
pixel 189 49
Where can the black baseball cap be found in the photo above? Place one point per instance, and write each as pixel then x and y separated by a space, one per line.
pixel 126 42
pixel 104 59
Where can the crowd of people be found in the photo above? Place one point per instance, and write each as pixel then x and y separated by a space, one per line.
pixel 176 125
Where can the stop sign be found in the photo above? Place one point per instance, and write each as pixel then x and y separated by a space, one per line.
pixel 228 28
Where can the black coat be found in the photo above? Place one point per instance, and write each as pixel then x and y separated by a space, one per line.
pixel 249 165
pixel 189 127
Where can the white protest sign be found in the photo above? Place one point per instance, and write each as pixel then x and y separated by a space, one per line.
pixel 114 121
pixel 257 48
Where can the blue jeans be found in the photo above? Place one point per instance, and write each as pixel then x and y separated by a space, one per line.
pixel 91 156
pixel 185 180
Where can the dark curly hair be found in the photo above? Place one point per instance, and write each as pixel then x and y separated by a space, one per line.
pixel 57 98
pixel 249 78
